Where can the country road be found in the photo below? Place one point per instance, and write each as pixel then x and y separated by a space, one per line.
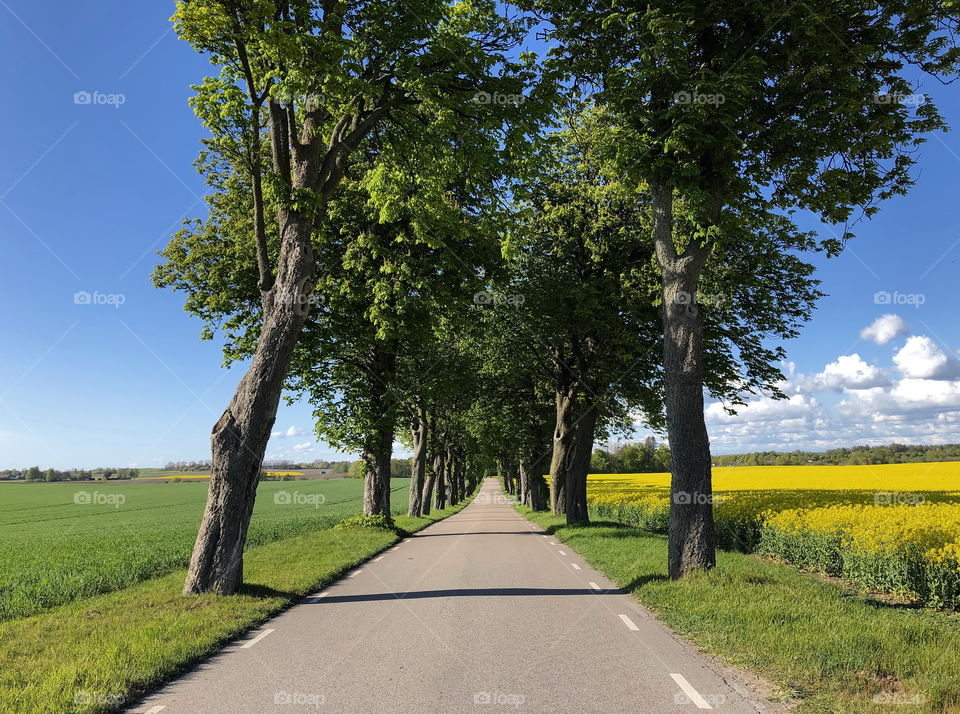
pixel 481 612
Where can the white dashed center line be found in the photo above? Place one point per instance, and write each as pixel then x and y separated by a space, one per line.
pixel 574 566
pixel 595 586
pixel 355 573
pixel 628 622
pixel 563 552
pixel 256 639
pixel 690 691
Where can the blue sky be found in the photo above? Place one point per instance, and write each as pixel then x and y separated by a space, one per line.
pixel 89 192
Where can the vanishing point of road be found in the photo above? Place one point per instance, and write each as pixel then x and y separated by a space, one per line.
pixel 480 612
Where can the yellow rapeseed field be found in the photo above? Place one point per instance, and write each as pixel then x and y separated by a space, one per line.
pixel 891 527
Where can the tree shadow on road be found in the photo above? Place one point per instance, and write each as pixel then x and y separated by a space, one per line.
pixel 469 592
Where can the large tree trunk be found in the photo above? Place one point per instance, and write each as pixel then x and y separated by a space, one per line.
pixel 376 483
pixel 440 486
pixel 427 499
pixel 579 464
pixel 562 437
pixel 239 438
pixel 691 537
pixel 572 446
pixel 533 486
pixel 381 365
pixel 418 472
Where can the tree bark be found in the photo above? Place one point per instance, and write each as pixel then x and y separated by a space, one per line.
pixel 381 364
pixel 533 486
pixel 439 469
pixel 376 481
pixel 239 438
pixel 691 537
pixel 418 474
pixel 572 446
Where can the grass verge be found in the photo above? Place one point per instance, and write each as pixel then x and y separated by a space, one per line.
pixel 96 654
pixel 827 649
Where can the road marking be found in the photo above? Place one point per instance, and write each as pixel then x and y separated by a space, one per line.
pixel 355 573
pixel 629 623
pixel 553 542
pixel 256 639
pixel 315 598
pixel 563 552
pixel 376 559
pixel 595 586
pixel 574 566
pixel 690 691
pixel 154 710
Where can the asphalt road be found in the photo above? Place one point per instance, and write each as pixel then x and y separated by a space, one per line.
pixel 481 612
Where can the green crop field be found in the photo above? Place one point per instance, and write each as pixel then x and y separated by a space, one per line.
pixel 61 541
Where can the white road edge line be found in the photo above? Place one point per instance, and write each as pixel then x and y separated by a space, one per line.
pixel 154 710
pixel 315 598
pixel 574 566
pixel 256 639
pixel 629 623
pixel 595 586
pixel 563 552
pixel 355 573
pixel 690 691
pixel 378 558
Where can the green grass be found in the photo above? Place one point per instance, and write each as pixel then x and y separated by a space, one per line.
pixel 827 648
pixel 95 654
pixel 54 549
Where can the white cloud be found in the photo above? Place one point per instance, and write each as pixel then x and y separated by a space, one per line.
pixel 885 328
pixel 765 409
pixel 922 358
pixel 304 445
pixel 917 401
pixel 847 372
pixel 292 431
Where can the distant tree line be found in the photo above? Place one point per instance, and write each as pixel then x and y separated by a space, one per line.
pixel 35 473
pixel 337 467
pixel 399 468
pixel 632 458
pixel 854 456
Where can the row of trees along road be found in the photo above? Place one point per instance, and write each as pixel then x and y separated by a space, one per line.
pixel 498 257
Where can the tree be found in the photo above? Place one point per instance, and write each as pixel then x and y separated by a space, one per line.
pixel 587 308
pixel 730 127
pixel 302 83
